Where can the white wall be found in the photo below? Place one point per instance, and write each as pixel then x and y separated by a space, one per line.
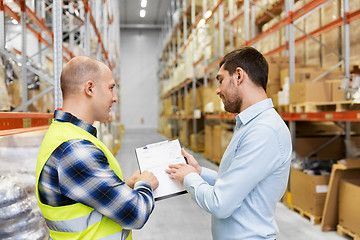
pixel 139 85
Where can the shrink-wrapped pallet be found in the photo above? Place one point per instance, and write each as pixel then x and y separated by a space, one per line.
pixel 312 48
pixel 4 96
pixel 354 35
pixel 332 39
pixel 20 217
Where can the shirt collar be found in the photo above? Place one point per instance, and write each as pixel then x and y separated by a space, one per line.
pixel 61 116
pixel 253 111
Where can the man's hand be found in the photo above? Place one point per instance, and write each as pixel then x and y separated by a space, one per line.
pixel 179 171
pixel 191 160
pixel 131 180
pixel 149 178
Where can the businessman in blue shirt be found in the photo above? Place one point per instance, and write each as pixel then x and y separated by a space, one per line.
pixel 254 169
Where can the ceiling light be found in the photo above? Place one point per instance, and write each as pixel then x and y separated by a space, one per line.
pixel 207 14
pixel 142 13
pixel 143 3
pixel 14 21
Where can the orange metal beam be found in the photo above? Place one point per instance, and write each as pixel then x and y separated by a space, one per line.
pixel 14 15
pixel 282 23
pixel 353 116
pixel 213 65
pixel 214 10
pixel 266 16
pixel 41 24
pixel 36 20
pixel 21 130
pixel 88 10
pixel 18 120
pixel 326 28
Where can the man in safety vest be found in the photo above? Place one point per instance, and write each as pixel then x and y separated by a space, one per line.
pixel 79 183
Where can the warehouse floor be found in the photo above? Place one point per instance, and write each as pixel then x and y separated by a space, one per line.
pixel 181 218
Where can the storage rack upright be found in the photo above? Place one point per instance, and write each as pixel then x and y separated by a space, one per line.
pixel 50 23
pixel 228 14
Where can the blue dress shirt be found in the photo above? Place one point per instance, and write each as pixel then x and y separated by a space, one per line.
pixel 252 177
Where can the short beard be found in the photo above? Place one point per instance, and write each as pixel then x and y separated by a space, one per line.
pixel 233 107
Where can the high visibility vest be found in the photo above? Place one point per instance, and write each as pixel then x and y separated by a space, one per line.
pixel 76 221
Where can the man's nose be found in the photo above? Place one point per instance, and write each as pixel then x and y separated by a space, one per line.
pixel 115 99
pixel 218 91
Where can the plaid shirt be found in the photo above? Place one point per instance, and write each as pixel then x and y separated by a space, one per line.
pixel 78 171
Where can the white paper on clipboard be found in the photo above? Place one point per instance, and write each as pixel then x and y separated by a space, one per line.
pixel 156 158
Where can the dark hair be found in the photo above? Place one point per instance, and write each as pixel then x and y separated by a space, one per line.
pixel 251 61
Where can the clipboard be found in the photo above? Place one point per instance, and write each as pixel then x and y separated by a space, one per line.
pixel 155 158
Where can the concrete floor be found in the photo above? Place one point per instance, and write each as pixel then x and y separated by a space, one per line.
pixel 180 217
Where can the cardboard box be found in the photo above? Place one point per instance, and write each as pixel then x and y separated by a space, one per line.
pixel 308 192
pixel 343 169
pixel 227 131
pixel 349 208
pixel 276 64
pixel 200 142
pixel 310 92
pixel 308 73
pixel 189 102
pixel 272 89
pixel 337 94
pixel 216 144
pixel 275 99
pixel 306 145
pixel 210 100
pixel 208 142
pixel 183 136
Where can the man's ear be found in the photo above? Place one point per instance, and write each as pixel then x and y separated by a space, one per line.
pixel 239 74
pixel 89 88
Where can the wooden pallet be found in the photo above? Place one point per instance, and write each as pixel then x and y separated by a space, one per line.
pixel 345 232
pixel 313 219
pixel 324 106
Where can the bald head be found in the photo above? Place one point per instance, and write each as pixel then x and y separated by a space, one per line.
pixel 77 72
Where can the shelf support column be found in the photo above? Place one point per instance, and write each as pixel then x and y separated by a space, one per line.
pixel 221 29
pixel 87 31
pixel 71 26
pixel 253 25
pixel 2 25
pixel 346 33
pixel 289 5
pixel 231 16
pixel 205 45
pixel 185 23
pixel 246 21
pixel 57 30
pixel 24 89
pixel 193 56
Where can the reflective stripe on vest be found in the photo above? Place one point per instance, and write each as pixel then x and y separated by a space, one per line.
pixel 75 225
pixel 119 235
pixel 116 236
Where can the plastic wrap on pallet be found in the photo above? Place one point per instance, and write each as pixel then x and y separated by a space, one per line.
pixel 20 217
pixel 4 96
pixel 10 192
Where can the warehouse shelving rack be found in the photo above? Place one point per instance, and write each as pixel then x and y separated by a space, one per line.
pixel 288 22
pixel 64 17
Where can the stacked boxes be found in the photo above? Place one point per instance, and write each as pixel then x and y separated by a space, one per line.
pixel 210 100
pixel 217 138
pixel 349 209
pixel 308 192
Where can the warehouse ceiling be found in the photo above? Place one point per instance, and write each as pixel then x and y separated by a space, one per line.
pixel 156 11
